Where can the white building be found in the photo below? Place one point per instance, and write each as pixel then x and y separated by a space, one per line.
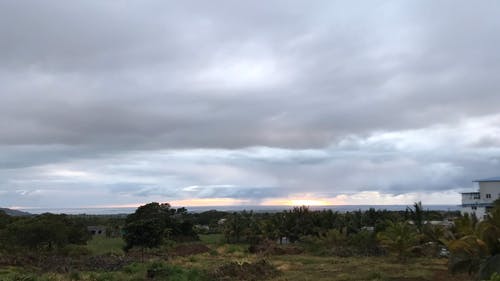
pixel 481 202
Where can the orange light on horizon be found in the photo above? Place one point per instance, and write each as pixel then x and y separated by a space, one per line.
pixel 203 202
pixel 308 202
pixel 298 202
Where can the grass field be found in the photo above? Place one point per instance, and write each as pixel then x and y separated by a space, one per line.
pixel 99 245
pixel 313 268
pixel 212 239
pixel 302 267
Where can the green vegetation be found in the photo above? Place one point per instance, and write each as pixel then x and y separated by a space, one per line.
pixel 103 245
pixel 158 242
pixel 495 277
pixel 212 239
pixel 475 243
pixel 154 223
pixel 41 234
pixel 399 237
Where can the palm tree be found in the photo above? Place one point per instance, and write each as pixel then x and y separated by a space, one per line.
pixel 466 254
pixel 417 215
pixel 465 225
pixel 478 241
pixel 489 229
pixel 399 237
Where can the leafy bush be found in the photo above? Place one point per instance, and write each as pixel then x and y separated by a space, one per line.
pixel 75 251
pixel 399 237
pixel 494 277
pixel 163 271
pixel 332 242
pixel 260 270
pixel 43 232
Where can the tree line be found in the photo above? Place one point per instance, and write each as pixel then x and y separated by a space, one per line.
pixel 470 244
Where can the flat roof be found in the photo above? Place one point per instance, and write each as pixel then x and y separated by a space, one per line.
pixel 470 192
pixel 494 179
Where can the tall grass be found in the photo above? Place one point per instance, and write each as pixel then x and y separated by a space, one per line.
pixel 104 245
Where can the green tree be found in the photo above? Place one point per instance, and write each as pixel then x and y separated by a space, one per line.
pixel 465 225
pixel 147 226
pixel 489 229
pixel 417 215
pixel 466 254
pixel 399 237
pixel 4 219
pixel 235 226
pixel 477 241
pixel 42 234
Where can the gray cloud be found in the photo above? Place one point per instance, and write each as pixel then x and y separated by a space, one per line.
pixel 291 94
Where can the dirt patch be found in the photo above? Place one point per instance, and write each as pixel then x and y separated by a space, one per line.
pixel 444 275
pixel 63 264
pixel 260 270
pixel 93 263
pixel 408 279
pixel 189 249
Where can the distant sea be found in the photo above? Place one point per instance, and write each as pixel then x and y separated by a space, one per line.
pixel 339 208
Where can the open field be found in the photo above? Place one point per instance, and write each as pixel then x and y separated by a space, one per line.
pixel 301 267
pixel 102 245
pixel 307 267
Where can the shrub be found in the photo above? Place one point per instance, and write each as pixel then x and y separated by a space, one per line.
pixel 260 270
pixel 75 251
pixel 163 271
pixel 495 277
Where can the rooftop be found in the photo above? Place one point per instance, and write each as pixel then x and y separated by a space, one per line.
pixel 494 179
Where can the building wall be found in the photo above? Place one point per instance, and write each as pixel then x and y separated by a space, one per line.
pixel 492 188
pixel 471 198
pixel 488 192
pixel 480 212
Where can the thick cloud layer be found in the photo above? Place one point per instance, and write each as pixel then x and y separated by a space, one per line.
pixel 107 103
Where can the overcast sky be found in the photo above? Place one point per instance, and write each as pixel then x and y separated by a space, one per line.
pixel 117 103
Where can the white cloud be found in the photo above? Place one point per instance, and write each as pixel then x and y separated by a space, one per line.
pixel 124 103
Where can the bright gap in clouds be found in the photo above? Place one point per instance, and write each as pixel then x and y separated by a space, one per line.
pixel 384 168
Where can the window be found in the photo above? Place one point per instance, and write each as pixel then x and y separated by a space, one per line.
pixel 474 208
pixel 488 196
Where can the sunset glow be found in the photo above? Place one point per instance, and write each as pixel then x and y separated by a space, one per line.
pixel 299 202
pixel 308 202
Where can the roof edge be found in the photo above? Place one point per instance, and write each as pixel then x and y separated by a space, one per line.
pixel 494 179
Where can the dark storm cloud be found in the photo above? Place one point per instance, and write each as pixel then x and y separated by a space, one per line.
pixel 94 72
pixel 95 80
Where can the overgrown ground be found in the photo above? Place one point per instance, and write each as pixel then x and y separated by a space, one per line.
pixel 184 266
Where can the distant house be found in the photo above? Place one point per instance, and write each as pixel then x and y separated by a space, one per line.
pixel 480 202
pixel 444 223
pixel 368 228
pixel 96 230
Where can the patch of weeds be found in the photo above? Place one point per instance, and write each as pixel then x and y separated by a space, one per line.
pixel 24 277
pixel 104 245
pixel 213 239
pixel 233 248
pixel 133 268
pixel 163 271
pixel 75 275
pixel 260 270
pixel 374 276
pixel 106 276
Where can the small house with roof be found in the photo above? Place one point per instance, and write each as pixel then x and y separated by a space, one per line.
pixel 481 202
pixel 96 230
